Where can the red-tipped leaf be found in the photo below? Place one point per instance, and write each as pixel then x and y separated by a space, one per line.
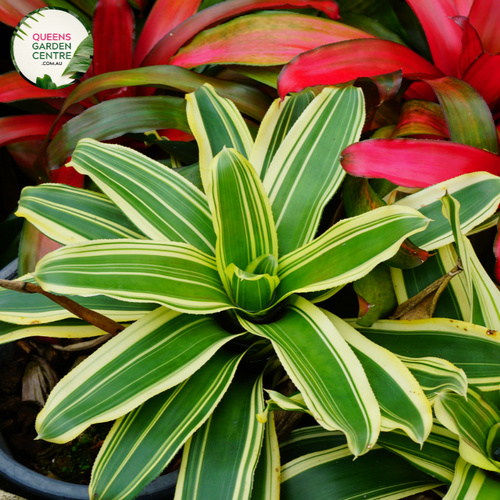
pixel 12 11
pixel 263 39
pixel 175 39
pixel 485 17
pixel 164 17
pixel 416 163
pixel 472 47
pixel 421 118
pixel 443 34
pixel 345 61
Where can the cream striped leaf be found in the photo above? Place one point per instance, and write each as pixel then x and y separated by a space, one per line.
pixel 216 123
pixel 157 352
pixel 326 371
pixel 436 457
pixel 175 275
pixel 70 215
pixel 348 250
pixel 69 328
pixel 379 475
pixel 305 171
pixel 163 204
pixel 35 309
pixel 242 216
pixel 141 444
pixel 478 194
pixel 278 401
pixel 435 375
pixel 471 483
pixel 473 348
pixel 277 122
pixel 471 419
pixel 266 482
pixel 402 402
pixel 219 461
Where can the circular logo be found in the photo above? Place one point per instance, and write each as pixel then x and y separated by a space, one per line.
pixel 51 48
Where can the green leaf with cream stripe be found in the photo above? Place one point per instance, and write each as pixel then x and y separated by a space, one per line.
pixel 157 429
pixel 478 194
pixel 402 402
pixel 155 198
pixel 333 474
pixel 436 457
pixel 471 419
pixel 277 122
pixel 435 375
pixel 219 461
pixel 34 309
pixel 242 216
pixel 216 123
pixel 266 482
pixel 175 275
pixel 156 353
pixel 475 349
pixel 305 172
pixel 70 215
pixel 471 483
pixel 326 371
pixel 348 250
pixel 67 328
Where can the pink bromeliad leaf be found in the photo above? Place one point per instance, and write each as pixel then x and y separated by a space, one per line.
pixel 175 39
pixel 414 162
pixel 13 87
pixel 484 75
pixel 164 17
pixel 345 61
pixel 443 34
pixel 267 38
pixel 18 128
pixel 463 6
pixel 472 47
pixel 12 11
pixel 485 17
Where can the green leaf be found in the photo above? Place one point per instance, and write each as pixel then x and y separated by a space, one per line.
pixel 305 172
pixel 402 402
pixel 81 59
pixel 278 121
pixel 471 419
pixel 216 123
pixel 145 359
pixel 436 457
pixel 105 121
pixel 266 482
pixel 208 471
pixel 324 368
pixel 473 348
pixel 70 215
pixel 242 216
pixel 471 482
pixel 141 444
pixel 348 250
pixel 157 199
pixel 478 194
pixel 333 474
pixel 45 82
pixel 35 309
pixel 172 274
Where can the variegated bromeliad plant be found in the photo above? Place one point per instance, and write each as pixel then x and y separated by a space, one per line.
pixel 220 288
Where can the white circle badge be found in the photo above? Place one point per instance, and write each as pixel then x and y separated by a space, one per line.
pixel 51 48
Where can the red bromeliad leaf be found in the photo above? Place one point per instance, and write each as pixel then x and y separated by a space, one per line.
pixel 13 87
pixel 345 61
pixel 388 85
pixel 265 39
pixel 414 162
pixel 472 47
pixel 463 6
pixel 12 11
pixel 421 118
pixel 164 17
pixel 113 34
pixel 467 115
pixel 21 128
pixel 485 17
pixel 173 41
pixel 484 75
pixel 443 34
pixel 68 176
